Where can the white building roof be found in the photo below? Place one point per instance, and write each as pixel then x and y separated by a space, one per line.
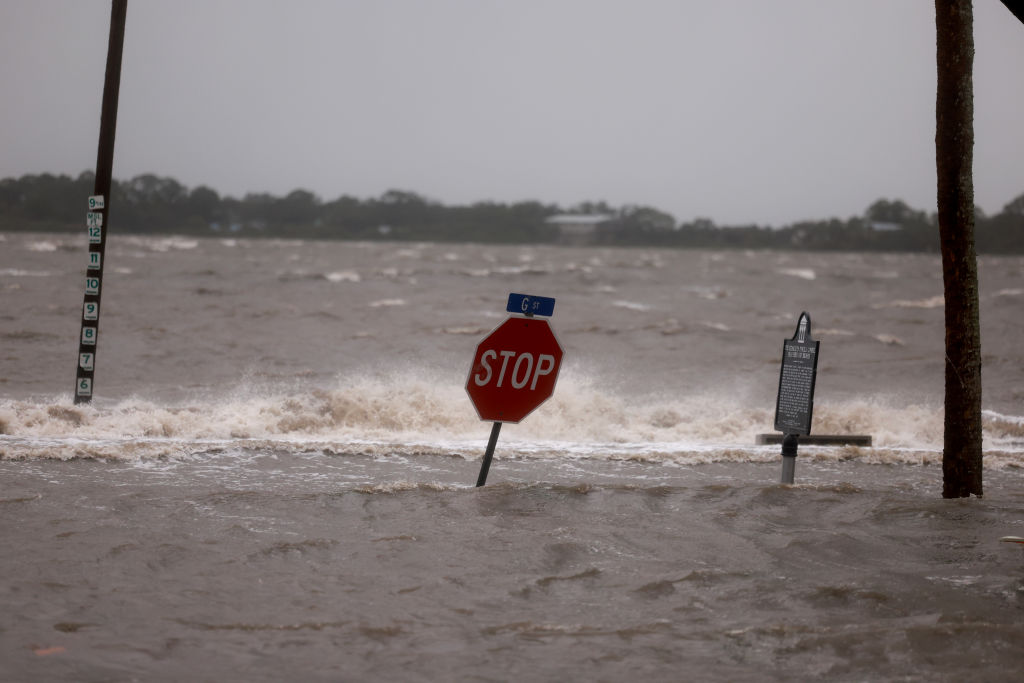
pixel 579 218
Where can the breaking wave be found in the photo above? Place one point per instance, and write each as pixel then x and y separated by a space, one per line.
pixel 414 415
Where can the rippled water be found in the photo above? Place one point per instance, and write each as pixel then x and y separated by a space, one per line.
pixel 275 480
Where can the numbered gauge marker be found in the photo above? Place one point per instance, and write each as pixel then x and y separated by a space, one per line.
pixel 95 235
pixel 96 202
pixel 85 361
pixel 91 311
pixel 84 386
pixel 92 286
pixel 89 336
pixel 94 260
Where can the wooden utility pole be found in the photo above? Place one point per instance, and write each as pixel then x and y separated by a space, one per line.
pixel 954 156
pixel 99 209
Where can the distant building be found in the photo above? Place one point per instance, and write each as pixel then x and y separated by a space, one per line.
pixel 578 228
pixel 884 226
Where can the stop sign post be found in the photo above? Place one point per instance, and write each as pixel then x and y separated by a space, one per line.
pixel 514 369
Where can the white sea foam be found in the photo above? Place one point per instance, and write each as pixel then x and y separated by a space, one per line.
pixel 160 244
pixel 420 414
pixel 529 268
pixel 344 276
pixel 19 272
pixel 476 272
pixel 889 339
pixel 803 273
pixel 930 302
pixel 631 305
pixel 468 329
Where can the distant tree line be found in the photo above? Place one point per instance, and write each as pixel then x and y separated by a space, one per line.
pixel 150 204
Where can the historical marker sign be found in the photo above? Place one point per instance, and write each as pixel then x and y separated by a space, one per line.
pixel 795 402
pixel 514 369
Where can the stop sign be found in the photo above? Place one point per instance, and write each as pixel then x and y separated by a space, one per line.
pixel 514 369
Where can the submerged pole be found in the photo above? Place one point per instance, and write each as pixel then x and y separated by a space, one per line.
pixel 789 446
pixel 486 464
pixel 99 208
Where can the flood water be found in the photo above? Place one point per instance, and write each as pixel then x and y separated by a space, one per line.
pixel 275 480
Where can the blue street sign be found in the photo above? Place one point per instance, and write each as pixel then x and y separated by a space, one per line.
pixel 528 304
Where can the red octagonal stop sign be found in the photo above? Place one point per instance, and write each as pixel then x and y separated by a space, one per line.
pixel 514 369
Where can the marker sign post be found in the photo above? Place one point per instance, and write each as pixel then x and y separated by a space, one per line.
pixel 795 401
pixel 98 208
pixel 514 368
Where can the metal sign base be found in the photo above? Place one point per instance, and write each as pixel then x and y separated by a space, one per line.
pixel 789 446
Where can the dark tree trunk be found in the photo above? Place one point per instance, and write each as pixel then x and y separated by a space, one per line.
pixel 954 155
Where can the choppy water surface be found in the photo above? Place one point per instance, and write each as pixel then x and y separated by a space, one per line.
pixel 275 480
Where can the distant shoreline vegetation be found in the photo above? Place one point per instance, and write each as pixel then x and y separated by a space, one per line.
pixel 150 204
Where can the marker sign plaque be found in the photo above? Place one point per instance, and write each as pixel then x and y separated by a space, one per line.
pixel 795 401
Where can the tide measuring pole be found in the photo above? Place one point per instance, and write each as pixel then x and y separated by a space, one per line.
pixel 515 368
pixel 99 208
pixel 795 401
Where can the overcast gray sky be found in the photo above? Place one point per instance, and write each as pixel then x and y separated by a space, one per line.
pixel 743 111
